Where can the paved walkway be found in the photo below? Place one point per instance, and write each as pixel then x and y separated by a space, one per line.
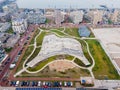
pixel 53 45
pixel 48 65
pixel 89 68
pixel 24 68
pixel 110 84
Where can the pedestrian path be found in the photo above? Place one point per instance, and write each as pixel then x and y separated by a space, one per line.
pixel 89 68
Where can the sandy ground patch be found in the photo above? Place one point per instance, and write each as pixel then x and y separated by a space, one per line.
pixel 110 37
pixel 61 65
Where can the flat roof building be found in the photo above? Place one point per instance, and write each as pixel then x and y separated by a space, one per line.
pixel 12 40
pixel 36 18
pixel 19 25
pixel 59 17
pixel 4 26
pixel 95 16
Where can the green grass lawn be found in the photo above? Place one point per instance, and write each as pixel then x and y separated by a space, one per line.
pixel 58 32
pixel 42 64
pixel 72 32
pixel 37 50
pixel 79 62
pixel 35 34
pixel 27 53
pixel 47 20
pixel 103 66
pixel 50 59
pixel 7 50
pixel 85 51
pixel 10 31
pixel 39 39
pixel 68 57
pixel 61 28
pixel 70 73
pixel 91 33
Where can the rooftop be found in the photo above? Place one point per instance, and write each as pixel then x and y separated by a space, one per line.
pixel 83 31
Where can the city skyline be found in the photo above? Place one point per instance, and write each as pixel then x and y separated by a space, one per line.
pixel 68 4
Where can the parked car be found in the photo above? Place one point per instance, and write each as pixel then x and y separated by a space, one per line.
pixel 68 84
pixel 14 83
pixel 28 83
pixel 17 83
pixel 44 83
pixel 33 83
pixel 11 83
pixel 65 84
pixel 39 83
pixel 60 83
pixel 71 84
pixel 22 83
pixel 56 84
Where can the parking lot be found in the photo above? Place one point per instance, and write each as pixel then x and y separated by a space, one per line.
pixel 43 84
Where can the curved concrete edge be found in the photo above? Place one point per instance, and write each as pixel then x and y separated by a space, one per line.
pixel 90 68
pixel 46 66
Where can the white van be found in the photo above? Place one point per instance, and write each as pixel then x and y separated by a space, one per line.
pixel 17 83
pixel 65 84
pixel 39 83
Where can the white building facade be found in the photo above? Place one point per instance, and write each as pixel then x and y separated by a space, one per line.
pixel 59 17
pixel 19 25
pixel 77 16
pixel 95 16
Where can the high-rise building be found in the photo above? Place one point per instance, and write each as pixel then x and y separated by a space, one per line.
pixel 114 16
pixel 76 16
pixel 19 25
pixel 10 8
pixel 36 18
pixel 95 16
pixel 59 17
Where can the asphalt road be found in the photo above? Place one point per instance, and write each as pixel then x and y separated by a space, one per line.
pixel 14 53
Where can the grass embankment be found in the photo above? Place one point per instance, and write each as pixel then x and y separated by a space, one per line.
pixel 37 50
pixel 70 73
pixel 58 32
pixel 27 53
pixel 50 59
pixel 103 66
pixel 60 29
pixel 79 62
pixel 85 51
pixel 39 39
pixel 42 64
pixel 91 33
pixel 35 34
pixel 72 32
pixel 68 57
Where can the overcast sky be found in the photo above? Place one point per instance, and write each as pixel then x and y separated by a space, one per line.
pixel 67 3
pixel 1 0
